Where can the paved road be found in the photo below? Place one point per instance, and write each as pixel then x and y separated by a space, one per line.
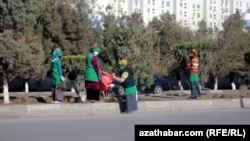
pixel 109 127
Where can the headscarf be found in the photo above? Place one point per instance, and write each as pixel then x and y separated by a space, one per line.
pixel 94 48
pixel 123 63
pixel 57 53
pixel 193 53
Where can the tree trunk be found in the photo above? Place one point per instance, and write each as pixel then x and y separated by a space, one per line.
pixel 178 77
pixel 180 85
pixel 231 77
pixel 233 86
pixel 202 80
pixel 216 83
pixel 26 86
pixel 73 90
pixel 6 97
pixel 77 85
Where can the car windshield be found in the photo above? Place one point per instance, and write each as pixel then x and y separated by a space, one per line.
pixel 157 77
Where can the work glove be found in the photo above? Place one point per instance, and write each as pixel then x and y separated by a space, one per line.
pixel 62 78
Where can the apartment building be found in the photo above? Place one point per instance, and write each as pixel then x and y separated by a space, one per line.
pixel 246 19
pixel 188 12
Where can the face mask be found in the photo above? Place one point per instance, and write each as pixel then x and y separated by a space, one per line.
pixel 121 66
pixel 96 53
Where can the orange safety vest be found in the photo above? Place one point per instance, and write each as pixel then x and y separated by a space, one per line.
pixel 193 65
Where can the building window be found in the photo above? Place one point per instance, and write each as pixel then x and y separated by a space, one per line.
pixel 148 10
pixel 168 4
pixel 198 6
pixel 136 2
pixel 198 15
pixel 226 2
pixel 226 10
pixel 148 1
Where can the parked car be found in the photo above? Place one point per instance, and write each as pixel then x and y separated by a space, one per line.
pixel 159 85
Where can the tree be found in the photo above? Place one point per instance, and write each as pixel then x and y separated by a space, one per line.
pixel 167 34
pixel 65 26
pixel 73 66
pixel 21 56
pixel 127 38
pixel 205 52
pixel 204 37
pixel 231 42
pixel 18 15
pixel 17 20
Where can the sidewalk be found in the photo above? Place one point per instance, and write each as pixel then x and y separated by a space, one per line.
pixel 68 109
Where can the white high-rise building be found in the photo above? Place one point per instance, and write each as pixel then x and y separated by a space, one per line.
pixel 246 19
pixel 188 12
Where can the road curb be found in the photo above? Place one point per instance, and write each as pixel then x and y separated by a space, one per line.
pixel 68 109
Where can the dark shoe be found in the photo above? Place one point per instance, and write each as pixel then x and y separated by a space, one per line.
pixel 92 101
pixel 128 113
pixel 192 97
